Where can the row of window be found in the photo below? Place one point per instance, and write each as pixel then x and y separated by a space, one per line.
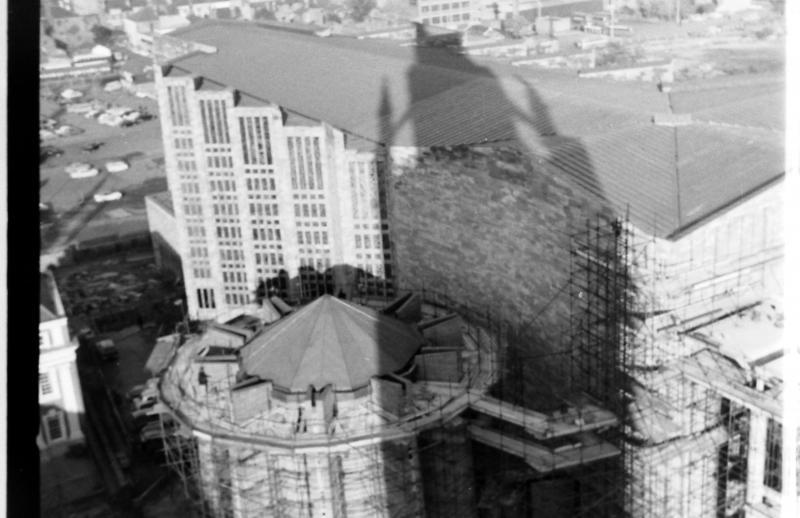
pixel 264 209
pixel 255 140
pixel 229 232
pixel 205 298
pixel 367 241
pixel 196 231
pixel 269 258
pixel 231 254
pixel 225 209
pixel 305 163
pixel 320 264
pixel 178 109
pixel 446 19
pixel 202 273
pixel 312 210
pixel 183 143
pixel 319 238
pixel 197 251
pixel 54 425
pixel 45 384
pixel 268 234
pixel 192 209
pixel 253 184
pixel 240 277
pixel 445 6
pixel 237 298
pixel 219 162
pixel 187 166
pixel 215 121
pixel 222 185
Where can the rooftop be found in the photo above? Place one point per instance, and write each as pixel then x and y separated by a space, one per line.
pixel 164 200
pixel 597 132
pixel 50 307
pixel 330 341
pixel 146 14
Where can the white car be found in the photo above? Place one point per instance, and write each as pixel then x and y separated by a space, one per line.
pixel 81 170
pixel 102 197
pixel 116 166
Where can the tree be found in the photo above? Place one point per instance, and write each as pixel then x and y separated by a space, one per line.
pixel 264 14
pixel 359 9
pixel 102 35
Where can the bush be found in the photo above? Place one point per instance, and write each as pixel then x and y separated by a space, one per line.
pixel 102 35
pixel 358 10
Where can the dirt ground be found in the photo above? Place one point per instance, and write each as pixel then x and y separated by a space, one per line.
pixel 76 216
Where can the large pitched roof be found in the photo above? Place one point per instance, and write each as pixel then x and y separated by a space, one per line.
pixel 599 133
pixel 330 341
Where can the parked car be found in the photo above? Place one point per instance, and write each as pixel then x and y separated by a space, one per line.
pixel 92 146
pixel 107 349
pixel 81 170
pixel 49 151
pixel 116 166
pixel 102 197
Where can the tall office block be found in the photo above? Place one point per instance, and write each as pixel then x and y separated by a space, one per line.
pixel 266 200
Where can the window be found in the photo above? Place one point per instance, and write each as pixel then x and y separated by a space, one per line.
pixel 53 425
pixel 772 461
pixel 45 386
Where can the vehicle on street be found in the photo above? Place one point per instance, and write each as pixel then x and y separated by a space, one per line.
pixel 107 349
pixel 81 170
pixel 116 166
pixel 93 146
pixel 49 151
pixel 102 197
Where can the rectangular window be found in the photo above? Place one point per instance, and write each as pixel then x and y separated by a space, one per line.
pixel 292 164
pixel 317 163
pixel 53 422
pixel 772 461
pixel 45 387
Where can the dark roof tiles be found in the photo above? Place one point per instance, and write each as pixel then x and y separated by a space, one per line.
pixel 330 341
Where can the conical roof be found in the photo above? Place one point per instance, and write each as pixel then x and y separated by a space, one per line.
pixel 330 341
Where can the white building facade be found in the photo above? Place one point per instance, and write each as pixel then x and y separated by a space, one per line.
pixel 260 202
pixel 60 398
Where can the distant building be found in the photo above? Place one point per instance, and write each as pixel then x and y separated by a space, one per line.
pixel 446 14
pixel 80 7
pixel 60 399
pixel 266 197
pixel 143 25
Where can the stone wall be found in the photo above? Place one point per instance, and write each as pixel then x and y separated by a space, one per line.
pixel 490 227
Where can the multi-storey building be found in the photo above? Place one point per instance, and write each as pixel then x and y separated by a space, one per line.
pixel 491 177
pixel 445 14
pixel 266 200
pixel 60 399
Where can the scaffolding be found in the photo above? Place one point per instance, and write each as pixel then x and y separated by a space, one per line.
pixel 679 442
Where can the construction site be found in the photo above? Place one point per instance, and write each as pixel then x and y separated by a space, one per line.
pixel 662 400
